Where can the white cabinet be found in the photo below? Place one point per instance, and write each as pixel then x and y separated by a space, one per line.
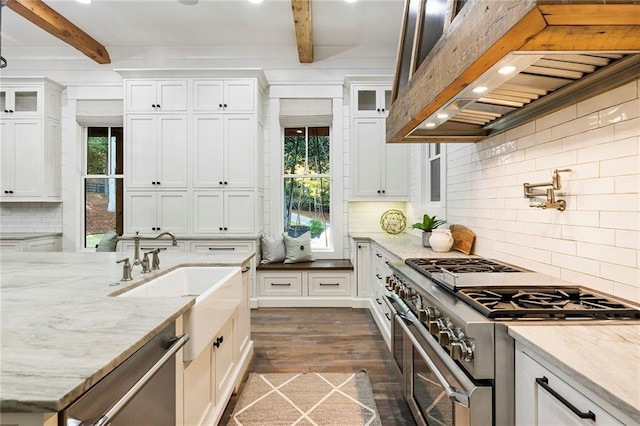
pixel 215 95
pixel 156 95
pixel 30 141
pixel 380 272
pixel 224 151
pixel 329 284
pixel 224 212
pixel 156 151
pixel 208 379
pixel 156 212
pixel 39 244
pixel 371 100
pixel 362 261
pixel 549 397
pixel 378 170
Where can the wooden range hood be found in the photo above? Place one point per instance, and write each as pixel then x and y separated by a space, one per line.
pixel 567 51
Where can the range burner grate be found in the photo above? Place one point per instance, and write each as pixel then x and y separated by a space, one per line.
pixel 549 303
pixel 459 265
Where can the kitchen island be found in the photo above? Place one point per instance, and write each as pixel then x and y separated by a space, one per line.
pixel 61 332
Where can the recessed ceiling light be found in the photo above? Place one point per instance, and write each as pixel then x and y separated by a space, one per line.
pixel 430 125
pixel 84 1
pixel 256 1
pixel 442 115
pixel 480 89
pixel 507 70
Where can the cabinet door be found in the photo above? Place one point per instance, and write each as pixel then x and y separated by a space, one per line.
pixel 363 268
pixel 239 155
pixel 7 156
pixel 171 95
pixel 172 152
pixel 366 158
pixel 224 358
pixel 140 96
pixel 207 95
pixel 141 151
pixel 208 160
pixel 239 95
pixel 21 102
pixel 28 161
pixel 172 213
pixel 371 101
pixel 396 170
pixel 244 312
pixel 208 212
pixel 239 212
pixel 199 389
pixel 140 212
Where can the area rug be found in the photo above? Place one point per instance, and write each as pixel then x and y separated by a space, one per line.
pixel 284 399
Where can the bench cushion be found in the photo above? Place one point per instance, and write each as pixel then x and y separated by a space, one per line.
pixel 317 265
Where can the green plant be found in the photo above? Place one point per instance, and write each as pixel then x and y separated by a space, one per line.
pixel 429 223
pixel 316 227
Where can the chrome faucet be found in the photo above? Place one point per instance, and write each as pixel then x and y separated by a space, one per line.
pixel 136 247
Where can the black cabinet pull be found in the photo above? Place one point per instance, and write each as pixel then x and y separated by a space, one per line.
pixel 378 276
pixel 220 182
pixel 218 341
pixel 225 105
pixel 222 248
pixel 387 315
pixel 220 105
pixel 378 191
pixel 378 300
pixel 158 183
pixel 382 109
pixel 226 183
pixel 153 248
pixel 158 106
pixel 378 255
pixel 153 105
pixel 281 284
pixel 6 110
pixel 383 191
pixel 220 228
pixel 544 382
pixel 330 284
pixel 225 228
pixel 378 110
pixel 11 111
pixel 10 192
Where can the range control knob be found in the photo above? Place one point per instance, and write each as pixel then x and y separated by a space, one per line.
pixel 432 313
pixel 444 338
pixel 461 351
pixel 422 315
pixel 434 328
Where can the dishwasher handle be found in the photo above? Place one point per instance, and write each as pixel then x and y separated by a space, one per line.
pixel 106 418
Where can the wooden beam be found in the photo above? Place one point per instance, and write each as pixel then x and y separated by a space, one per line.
pixel 585 38
pixel 591 14
pixel 304 35
pixel 43 16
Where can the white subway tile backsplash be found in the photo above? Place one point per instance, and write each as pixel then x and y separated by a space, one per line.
pixel 559 117
pixel 617 96
pixel 596 241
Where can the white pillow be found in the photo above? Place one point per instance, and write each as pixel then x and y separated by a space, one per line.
pixel 298 249
pixel 273 249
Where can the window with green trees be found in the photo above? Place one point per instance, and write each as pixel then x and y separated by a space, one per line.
pixel 103 183
pixel 307 184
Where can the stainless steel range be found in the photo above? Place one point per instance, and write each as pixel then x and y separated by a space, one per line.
pixel 450 337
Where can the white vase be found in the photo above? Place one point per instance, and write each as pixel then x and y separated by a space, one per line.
pixel 425 238
pixel 441 240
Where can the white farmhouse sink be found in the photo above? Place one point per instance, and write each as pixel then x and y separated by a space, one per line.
pixel 217 290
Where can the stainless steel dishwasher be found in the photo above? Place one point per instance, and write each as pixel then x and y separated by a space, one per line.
pixel 140 391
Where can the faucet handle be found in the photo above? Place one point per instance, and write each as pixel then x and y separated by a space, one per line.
pixel 145 262
pixel 155 262
pixel 126 269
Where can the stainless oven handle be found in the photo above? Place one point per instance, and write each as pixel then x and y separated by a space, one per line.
pixel 106 418
pixel 452 392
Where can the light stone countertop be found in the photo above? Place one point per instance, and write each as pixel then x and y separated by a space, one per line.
pixel 605 359
pixel 20 236
pixel 404 245
pixel 60 330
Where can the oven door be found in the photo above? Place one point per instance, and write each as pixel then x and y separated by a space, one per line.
pixel 438 390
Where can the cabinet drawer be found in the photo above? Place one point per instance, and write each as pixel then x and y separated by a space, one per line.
pixel 329 284
pixel 280 283
pixel 151 245
pixel 222 247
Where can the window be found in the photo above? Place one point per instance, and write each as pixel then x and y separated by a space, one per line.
pixel 103 183
pixel 433 175
pixel 307 184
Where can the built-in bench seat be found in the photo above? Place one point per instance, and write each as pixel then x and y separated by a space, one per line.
pixel 324 282
pixel 318 265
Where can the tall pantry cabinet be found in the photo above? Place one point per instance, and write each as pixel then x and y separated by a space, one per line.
pixel 30 140
pixel 193 146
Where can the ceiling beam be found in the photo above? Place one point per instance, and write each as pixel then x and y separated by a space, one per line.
pixel 41 15
pixel 304 35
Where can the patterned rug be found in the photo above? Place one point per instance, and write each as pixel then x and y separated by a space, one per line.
pixel 284 399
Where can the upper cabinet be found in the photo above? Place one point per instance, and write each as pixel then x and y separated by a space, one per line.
pixel 371 101
pixel 215 95
pixel 30 140
pixel 156 95
pixel 379 171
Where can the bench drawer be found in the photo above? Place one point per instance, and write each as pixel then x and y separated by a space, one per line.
pixel 329 284
pixel 280 283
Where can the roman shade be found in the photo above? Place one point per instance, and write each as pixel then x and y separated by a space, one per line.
pixel 99 113
pixel 306 112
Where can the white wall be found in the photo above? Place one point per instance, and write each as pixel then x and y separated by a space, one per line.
pixel 31 217
pixel 596 241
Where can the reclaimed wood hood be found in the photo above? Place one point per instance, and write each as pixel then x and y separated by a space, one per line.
pixel 562 52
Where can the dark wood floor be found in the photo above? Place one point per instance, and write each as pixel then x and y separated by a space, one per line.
pixel 327 340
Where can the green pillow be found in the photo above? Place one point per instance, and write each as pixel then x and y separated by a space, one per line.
pixel 298 249
pixel 108 242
